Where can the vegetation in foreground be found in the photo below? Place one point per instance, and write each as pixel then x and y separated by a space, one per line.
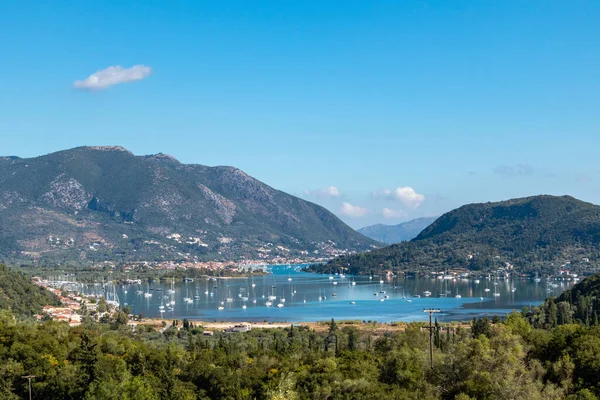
pixel 550 352
pixel 502 360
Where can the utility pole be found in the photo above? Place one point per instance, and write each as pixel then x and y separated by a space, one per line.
pixel 431 311
pixel 29 377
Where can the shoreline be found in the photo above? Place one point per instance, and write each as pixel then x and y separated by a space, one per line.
pixel 375 328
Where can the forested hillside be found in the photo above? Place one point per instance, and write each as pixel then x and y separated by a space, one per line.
pixel 20 296
pixel 533 234
pixel 580 304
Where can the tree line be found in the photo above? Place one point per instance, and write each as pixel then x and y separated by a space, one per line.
pixel 491 359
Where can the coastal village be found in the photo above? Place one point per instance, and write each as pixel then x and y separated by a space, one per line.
pixel 70 305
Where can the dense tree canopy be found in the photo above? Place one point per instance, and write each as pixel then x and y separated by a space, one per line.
pixel 547 353
pixel 20 296
pixel 493 360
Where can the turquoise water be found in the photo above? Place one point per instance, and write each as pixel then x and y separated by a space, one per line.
pixel 302 292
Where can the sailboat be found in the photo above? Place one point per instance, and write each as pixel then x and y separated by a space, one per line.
pixel 172 289
pixel 147 294
pixel 458 296
pixel 187 299
pixel 112 298
pixel 272 296
pixel 139 291
pixel 172 302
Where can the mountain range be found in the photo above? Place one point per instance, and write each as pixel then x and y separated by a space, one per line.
pixel 402 232
pixel 104 203
pixel 532 234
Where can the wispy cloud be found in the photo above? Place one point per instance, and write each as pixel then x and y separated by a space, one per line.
pixel 353 211
pixel 583 178
pixel 383 194
pixel 330 191
pixel 112 76
pixel 514 170
pixel 389 213
pixel 407 195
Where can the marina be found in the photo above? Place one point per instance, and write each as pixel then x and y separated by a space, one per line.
pixel 288 294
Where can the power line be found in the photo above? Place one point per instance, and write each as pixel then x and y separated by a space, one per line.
pixel 29 377
pixel 431 311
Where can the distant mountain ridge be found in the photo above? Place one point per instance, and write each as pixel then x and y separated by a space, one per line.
pixel 104 203
pixel 401 232
pixel 539 233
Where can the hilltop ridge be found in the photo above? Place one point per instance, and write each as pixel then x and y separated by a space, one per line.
pixel 539 233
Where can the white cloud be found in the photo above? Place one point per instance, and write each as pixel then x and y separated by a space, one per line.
pixel 330 191
pixel 407 195
pixel 352 211
pixel 389 213
pixel 113 76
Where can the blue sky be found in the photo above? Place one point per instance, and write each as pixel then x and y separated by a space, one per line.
pixel 415 107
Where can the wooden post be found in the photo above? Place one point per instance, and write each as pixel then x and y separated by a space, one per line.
pixel 431 311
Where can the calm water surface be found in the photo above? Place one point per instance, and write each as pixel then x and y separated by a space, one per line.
pixel 340 298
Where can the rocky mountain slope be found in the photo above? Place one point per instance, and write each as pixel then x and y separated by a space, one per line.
pixel 539 233
pixel 104 203
pixel 402 232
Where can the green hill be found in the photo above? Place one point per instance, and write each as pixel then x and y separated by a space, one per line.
pixel 104 203
pixel 540 233
pixel 20 296
pixel 584 299
pixel 580 304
